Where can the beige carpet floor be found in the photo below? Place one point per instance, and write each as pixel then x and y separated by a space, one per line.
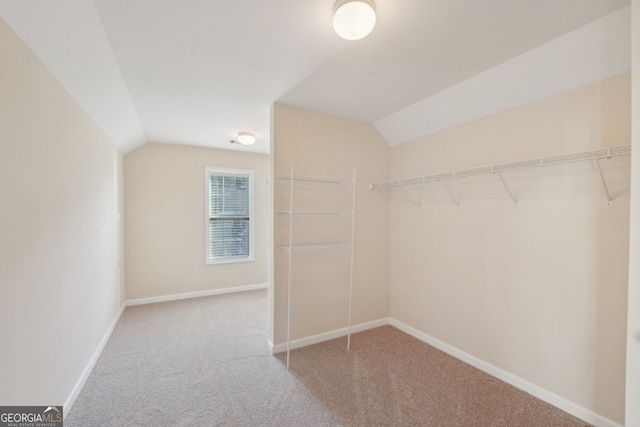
pixel 205 362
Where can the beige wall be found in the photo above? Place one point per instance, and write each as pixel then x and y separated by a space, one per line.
pixel 539 291
pixel 165 223
pixel 59 178
pixel 633 328
pixel 329 146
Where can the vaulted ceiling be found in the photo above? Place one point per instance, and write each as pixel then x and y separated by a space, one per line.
pixel 197 72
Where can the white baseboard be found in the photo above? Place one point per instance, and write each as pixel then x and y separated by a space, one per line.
pixel 188 295
pixel 537 391
pixel 326 336
pixel 94 358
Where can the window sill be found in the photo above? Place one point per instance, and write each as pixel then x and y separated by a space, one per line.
pixel 228 261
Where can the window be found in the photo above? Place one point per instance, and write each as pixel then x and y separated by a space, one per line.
pixel 229 217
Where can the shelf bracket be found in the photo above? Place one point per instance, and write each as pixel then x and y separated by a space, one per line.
pixel 411 198
pixel 456 201
pixel 603 182
pixel 506 187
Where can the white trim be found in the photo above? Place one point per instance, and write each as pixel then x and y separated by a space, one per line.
pixel 188 295
pixel 208 171
pixel 94 358
pixel 533 389
pixel 326 336
pixel 512 379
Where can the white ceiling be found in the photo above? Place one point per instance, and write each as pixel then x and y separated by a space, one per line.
pixel 198 71
pixel 591 53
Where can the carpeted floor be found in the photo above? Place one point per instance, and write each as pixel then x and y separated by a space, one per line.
pixel 205 362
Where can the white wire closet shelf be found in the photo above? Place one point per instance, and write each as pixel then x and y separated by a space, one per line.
pixel 311 178
pixel 316 247
pixel 292 247
pixel 603 153
pixel 592 155
pixel 314 213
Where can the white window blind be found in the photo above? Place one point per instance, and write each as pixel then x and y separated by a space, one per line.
pixel 229 218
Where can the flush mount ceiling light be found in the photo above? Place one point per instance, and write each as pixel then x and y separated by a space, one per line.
pixel 354 19
pixel 246 138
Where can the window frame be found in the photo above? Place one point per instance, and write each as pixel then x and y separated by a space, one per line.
pixel 209 171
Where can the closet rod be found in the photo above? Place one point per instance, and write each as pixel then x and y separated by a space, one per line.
pixel 591 155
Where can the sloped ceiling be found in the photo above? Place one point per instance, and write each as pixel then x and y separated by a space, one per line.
pixel 197 72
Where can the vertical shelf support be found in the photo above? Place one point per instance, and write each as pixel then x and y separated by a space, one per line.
pixel 353 237
pixel 446 187
pixel 603 182
pixel 506 187
pixel 289 255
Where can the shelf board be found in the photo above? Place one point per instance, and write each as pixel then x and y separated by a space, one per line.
pixel 591 155
pixel 314 213
pixel 320 247
pixel 310 178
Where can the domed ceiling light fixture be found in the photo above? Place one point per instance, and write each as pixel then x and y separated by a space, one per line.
pixel 246 138
pixel 354 19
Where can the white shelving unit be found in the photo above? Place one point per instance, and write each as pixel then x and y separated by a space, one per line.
pixel 323 247
pixel 292 248
pixel 595 156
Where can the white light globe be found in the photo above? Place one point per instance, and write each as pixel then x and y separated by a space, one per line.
pixel 354 19
pixel 246 138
